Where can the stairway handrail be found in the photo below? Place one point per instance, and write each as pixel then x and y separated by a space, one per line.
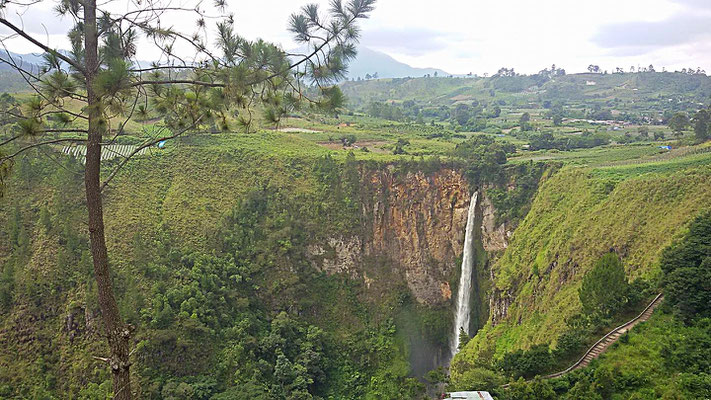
pixel 557 374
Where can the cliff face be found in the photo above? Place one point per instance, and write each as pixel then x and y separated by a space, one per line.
pixel 419 223
pixel 414 221
pixel 494 237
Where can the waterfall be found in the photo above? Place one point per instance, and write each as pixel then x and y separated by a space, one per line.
pixel 462 306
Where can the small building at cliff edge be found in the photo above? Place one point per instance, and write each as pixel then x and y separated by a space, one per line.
pixel 469 396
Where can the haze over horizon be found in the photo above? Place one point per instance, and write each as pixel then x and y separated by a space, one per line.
pixel 466 38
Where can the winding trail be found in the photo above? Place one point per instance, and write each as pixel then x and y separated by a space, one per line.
pixel 606 341
pixel 601 345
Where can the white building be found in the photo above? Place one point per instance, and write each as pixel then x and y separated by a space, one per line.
pixel 469 396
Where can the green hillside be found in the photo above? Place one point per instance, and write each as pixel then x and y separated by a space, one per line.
pixel 577 216
pixel 652 88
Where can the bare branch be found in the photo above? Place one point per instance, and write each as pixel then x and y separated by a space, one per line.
pixel 10 140
pixel 104 359
pixel 34 41
pixel 178 81
pixel 62 130
pixel 160 67
pixel 28 147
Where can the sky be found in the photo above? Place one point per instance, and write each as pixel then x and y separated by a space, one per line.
pixel 477 36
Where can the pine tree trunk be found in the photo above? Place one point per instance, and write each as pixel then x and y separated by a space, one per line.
pixel 117 332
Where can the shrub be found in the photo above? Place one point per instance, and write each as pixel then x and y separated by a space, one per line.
pixel 526 363
pixel 687 272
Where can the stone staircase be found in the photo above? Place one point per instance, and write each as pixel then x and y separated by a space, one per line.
pixel 601 345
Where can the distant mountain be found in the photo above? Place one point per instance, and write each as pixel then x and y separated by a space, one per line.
pixel 371 61
pixel 368 62
pixel 26 61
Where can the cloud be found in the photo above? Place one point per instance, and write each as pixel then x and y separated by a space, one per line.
pixel 37 21
pixel 694 4
pixel 412 42
pixel 640 37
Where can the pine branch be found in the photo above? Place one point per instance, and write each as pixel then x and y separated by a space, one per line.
pixel 24 74
pixel 130 114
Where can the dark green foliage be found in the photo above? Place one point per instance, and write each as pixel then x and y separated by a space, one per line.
pixel 570 344
pixel 386 111
pixel 480 379
pixel 470 118
pixel 526 363
pixel 463 338
pixel 538 389
pixel 540 141
pixel 688 290
pixel 348 140
pixel 435 376
pixel 702 124
pixel 525 122
pixel 584 389
pixel 484 157
pixel 400 146
pixel 692 353
pixel 513 201
pixel 678 123
pixel 605 289
pixel 604 382
pixel 687 272
pixel 696 386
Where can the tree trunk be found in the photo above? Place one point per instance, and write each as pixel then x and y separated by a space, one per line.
pixel 118 334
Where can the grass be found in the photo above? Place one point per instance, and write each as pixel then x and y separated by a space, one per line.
pixel 593 157
pixel 640 360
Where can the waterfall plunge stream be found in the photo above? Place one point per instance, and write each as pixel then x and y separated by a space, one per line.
pixel 463 302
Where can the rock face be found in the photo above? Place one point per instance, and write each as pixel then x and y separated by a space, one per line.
pixel 499 303
pixel 414 221
pixel 339 256
pixel 419 221
pixel 495 238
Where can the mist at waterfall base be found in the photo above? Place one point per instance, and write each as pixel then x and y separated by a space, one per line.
pixel 462 305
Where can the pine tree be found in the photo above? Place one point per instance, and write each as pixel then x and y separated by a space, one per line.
pixel 604 289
